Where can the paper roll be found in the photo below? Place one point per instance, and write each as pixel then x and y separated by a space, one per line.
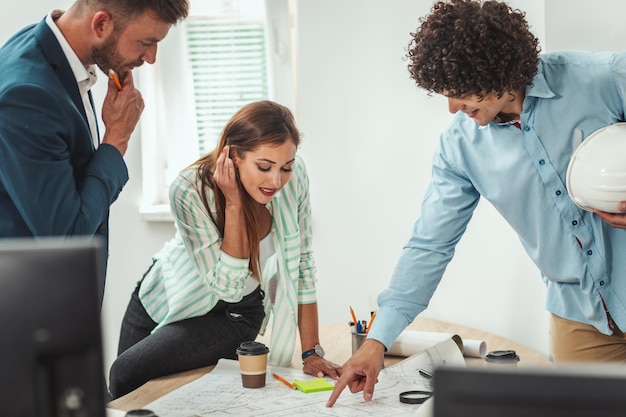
pixel 474 348
pixel 411 341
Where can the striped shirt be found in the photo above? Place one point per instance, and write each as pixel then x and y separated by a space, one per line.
pixel 191 273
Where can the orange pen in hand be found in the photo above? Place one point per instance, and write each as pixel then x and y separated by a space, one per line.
pixel 115 78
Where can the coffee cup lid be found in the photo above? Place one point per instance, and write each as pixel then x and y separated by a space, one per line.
pixel 502 356
pixel 252 348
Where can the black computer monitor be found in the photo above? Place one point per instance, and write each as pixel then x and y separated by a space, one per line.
pixel 50 336
pixel 575 391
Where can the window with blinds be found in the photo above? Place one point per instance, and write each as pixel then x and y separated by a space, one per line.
pixel 226 54
pixel 228 58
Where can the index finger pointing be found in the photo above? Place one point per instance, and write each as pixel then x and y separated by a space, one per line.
pixel 339 387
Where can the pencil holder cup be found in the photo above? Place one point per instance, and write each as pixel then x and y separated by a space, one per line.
pixel 357 340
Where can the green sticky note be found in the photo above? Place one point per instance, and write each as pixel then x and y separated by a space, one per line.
pixel 315 385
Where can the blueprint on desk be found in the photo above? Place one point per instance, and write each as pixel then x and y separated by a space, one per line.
pixel 220 393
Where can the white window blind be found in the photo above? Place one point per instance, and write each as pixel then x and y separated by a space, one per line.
pixel 228 58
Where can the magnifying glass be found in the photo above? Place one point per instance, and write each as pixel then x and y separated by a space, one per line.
pixel 415 397
pixel 141 413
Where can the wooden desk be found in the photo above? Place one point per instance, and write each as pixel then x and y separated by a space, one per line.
pixel 337 342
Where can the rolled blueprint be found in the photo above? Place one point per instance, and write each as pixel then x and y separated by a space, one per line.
pixel 412 341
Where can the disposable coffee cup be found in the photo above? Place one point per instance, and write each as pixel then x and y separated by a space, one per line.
pixel 357 340
pixel 252 363
pixel 502 358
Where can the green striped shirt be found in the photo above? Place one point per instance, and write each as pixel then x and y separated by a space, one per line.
pixel 191 273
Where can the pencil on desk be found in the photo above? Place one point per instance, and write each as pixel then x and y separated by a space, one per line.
pixel 284 381
pixel 425 374
pixel 115 78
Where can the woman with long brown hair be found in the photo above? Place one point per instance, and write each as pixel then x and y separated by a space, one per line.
pixel 242 253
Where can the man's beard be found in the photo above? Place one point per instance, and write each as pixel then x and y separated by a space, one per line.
pixel 106 57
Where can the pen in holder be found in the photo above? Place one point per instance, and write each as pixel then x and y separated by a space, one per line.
pixel 357 339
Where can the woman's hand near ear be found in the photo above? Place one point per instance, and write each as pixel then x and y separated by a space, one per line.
pixel 226 178
pixel 235 239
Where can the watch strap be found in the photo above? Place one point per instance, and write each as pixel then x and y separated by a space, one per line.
pixel 308 353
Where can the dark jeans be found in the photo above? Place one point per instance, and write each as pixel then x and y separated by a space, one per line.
pixel 181 346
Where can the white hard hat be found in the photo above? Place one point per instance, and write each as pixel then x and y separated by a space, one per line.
pixel 596 175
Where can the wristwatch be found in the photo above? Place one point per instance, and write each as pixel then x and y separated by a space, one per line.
pixel 317 350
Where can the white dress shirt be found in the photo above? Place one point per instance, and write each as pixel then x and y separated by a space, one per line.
pixel 85 75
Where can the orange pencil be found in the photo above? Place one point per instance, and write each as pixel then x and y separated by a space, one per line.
pixel 115 78
pixel 353 316
pixel 284 381
pixel 371 322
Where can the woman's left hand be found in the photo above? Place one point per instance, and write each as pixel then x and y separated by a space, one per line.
pixel 318 366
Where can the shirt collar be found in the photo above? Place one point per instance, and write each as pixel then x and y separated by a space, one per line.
pixel 85 74
pixel 501 122
pixel 539 87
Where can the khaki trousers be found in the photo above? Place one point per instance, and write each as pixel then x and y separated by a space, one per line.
pixel 577 342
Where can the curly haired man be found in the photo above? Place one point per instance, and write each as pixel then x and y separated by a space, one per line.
pixel 518 117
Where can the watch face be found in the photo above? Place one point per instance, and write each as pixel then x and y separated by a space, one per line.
pixel 319 350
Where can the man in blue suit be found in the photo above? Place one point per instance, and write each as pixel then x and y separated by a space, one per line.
pixel 59 171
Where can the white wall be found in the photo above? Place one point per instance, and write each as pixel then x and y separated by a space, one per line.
pixel 585 24
pixel 369 134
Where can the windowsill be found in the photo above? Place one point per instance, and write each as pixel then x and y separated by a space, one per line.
pixel 156 213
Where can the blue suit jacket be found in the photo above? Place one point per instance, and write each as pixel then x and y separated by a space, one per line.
pixel 52 180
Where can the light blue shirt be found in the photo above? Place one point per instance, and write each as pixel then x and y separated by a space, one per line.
pixel 522 173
